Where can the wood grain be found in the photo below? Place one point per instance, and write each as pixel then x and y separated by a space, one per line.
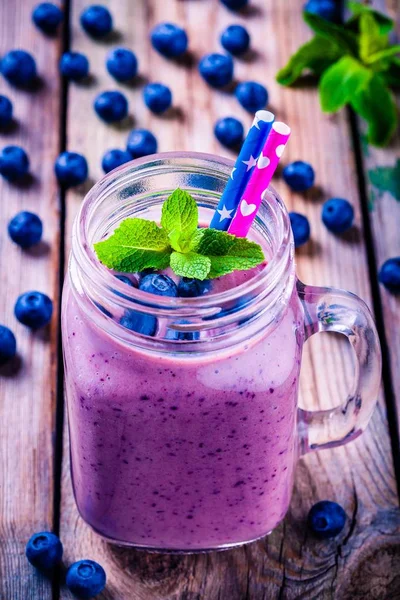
pixel 27 393
pixel 288 564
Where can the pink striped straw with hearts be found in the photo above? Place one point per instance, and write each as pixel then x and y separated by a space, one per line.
pixel 260 180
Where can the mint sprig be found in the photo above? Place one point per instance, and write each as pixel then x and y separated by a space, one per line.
pixel 138 244
pixel 356 65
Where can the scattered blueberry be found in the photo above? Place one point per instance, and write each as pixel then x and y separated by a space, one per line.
pixel 86 578
pixel 6 111
pixel 216 69
pixel 47 17
pixel 33 309
pixel 182 336
pixel 252 95
pixel 141 142
pixel 71 169
pixel 329 10
pixel 299 175
pixel 169 39
pixel 122 64
pixel 25 229
pixel 114 158
pixel 126 280
pixel 191 288
pixel 14 163
pixel 159 284
pixel 111 106
pixel 300 228
pixel 19 68
pixel 326 519
pixel 157 97
pixel 337 215
pixel 235 4
pixel 389 274
pixel 97 21
pixel 44 550
pixel 8 344
pixel 229 132
pixel 139 322
pixel 235 39
pixel 74 65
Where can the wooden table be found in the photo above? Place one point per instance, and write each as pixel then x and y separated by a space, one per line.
pixel 36 492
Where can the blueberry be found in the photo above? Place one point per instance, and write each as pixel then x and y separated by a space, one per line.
pixel 141 142
pixel 25 229
pixel 14 163
pixel 157 97
pixel 235 39
pixel 216 69
pixel 389 274
pixel 125 280
pixel 329 10
pixel 8 344
pixel 74 65
pixel 6 111
pixel 139 322
pixel 252 95
pixel 47 17
pixel 299 175
pixel 326 519
pixel 44 550
pixel 169 39
pixel 114 158
pixel 86 578
pixel 229 132
pixel 111 106
pixel 156 283
pixel 182 336
pixel 19 68
pixel 337 215
pixel 71 169
pixel 122 64
pixel 33 309
pixel 191 288
pixel 96 20
pixel 300 228
pixel 235 4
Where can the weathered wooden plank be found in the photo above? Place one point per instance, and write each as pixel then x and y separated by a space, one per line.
pixel 27 397
pixel 288 564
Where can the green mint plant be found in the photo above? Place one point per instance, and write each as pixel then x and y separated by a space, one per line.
pixel 193 252
pixel 356 65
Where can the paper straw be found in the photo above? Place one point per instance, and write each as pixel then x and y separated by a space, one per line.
pixel 242 170
pixel 260 180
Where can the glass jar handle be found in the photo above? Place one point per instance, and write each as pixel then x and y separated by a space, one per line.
pixel 328 309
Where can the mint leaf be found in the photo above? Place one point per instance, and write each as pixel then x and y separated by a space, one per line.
pixel 384 23
pixel 180 213
pixel 340 82
pixel 387 179
pixel 192 265
pixel 317 55
pixel 229 253
pixel 346 40
pixel 135 245
pixel 371 40
pixel 388 53
pixel 376 104
pixel 392 75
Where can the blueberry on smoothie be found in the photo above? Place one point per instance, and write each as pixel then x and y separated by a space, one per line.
pixel 191 288
pixel 25 229
pixel 139 322
pixel 33 309
pixel 182 336
pixel 299 175
pixel 125 280
pixel 14 163
pixel 389 274
pixel 8 344
pixel 169 40
pixel 229 132
pixel 329 10
pixel 141 142
pixel 159 284
pixel 71 169
pixel 235 39
pixel 300 227
pixel 111 106
pixel 337 215
pixel 157 97
pixel 6 111
pixel 86 578
pixel 47 17
pixel 19 68
pixel 235 4
pixel 122 64
pixel 114 158
pixel 96 20
pixel 74 66
pixel 44 550
pixel 326 519
pixel 216 69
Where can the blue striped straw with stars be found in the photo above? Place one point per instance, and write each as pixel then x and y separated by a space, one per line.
pixel 241 172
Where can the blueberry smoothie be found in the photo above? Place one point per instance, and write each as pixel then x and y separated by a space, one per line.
pixel 183 451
